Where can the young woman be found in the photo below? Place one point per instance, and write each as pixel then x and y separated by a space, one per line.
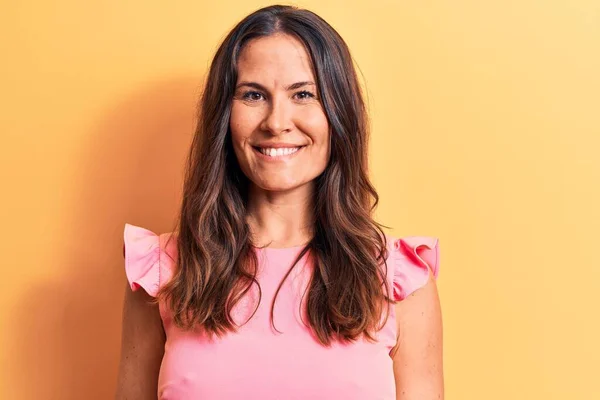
pixel 277 282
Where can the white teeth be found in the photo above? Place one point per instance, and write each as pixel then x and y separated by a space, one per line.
pixel 272 152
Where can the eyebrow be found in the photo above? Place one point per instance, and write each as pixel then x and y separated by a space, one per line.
pixel 257 85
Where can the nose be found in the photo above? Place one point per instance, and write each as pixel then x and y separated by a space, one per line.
pixel 279 117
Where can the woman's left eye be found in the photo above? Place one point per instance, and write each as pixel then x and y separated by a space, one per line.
pixel 305 94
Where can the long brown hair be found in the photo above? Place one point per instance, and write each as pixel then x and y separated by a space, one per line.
pixel 216 264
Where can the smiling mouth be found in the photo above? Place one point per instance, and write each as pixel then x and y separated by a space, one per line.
pixel 278 152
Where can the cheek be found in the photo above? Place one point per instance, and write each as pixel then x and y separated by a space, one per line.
pixel 315 119
pixel 318 127
pixel 240 126
pixel 236 124
pixel 237 140
pixel 315 122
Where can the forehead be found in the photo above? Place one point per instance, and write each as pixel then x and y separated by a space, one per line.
pixel 281 58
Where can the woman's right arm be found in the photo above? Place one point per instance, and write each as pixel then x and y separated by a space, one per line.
pixel 142 348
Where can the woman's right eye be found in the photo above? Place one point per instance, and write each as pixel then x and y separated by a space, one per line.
pixel 252 96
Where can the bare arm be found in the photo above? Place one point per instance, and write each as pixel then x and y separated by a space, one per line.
pixel 142 348
pixel 417 356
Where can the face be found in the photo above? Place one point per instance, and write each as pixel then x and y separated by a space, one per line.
pixel 279 129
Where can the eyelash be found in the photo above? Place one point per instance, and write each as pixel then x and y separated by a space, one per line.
pixel 246 95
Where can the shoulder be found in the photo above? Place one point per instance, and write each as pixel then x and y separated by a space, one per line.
pixel 150 258
pixel 411 261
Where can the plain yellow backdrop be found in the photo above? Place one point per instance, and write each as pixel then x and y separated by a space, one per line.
pixel 486 133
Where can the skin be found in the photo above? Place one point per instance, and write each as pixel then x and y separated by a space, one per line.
pixel 417 356
pixel 142 348
pixel 267 110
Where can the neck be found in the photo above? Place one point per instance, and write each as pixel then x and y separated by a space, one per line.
pixel 281 219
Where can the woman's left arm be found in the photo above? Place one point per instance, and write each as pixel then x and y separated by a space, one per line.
pixel 418 366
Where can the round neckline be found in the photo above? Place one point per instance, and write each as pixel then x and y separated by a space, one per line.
pixel 297 248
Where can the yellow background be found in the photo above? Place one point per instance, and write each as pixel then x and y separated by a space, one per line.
pixel 486 133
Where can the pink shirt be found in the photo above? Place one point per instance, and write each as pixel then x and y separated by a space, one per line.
pixel 259 363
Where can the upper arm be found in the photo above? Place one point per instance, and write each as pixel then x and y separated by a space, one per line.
pixel 417 356
pixel 142 347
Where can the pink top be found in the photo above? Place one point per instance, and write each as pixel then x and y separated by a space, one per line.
pixel 259 363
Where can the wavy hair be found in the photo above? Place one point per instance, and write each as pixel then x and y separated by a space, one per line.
pixel 216 264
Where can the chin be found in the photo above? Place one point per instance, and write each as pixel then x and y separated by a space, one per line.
pixel 280 185
pixel 278 188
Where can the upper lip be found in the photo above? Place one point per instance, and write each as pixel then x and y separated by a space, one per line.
pixel 277 145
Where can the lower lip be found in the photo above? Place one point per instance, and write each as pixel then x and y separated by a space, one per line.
pixel 283 157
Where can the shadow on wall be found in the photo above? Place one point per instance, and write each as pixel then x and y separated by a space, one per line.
pixel 69 333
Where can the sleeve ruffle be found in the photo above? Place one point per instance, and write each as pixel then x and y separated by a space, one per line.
pixel 413 259
pixel 148 264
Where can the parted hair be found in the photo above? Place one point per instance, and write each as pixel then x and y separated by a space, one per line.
pixel 216 265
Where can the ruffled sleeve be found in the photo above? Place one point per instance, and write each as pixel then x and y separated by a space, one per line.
pixel 149 258
pixel 413 259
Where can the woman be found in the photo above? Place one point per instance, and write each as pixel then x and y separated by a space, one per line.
pixel 278 284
